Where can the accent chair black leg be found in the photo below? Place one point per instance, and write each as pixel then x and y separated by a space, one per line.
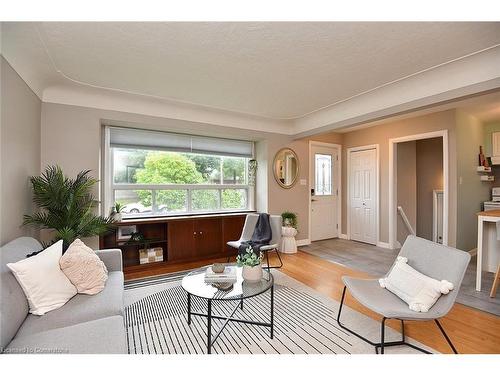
pixel 383 344
pixel 382 335
pixel 341 304
pixel 279 257
pixel 403 337
pixel 241 304
pixel 446 336
pixel 267 260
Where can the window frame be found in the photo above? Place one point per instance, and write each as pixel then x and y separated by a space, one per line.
pixel 109 186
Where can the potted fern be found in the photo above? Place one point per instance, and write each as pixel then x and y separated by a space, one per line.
pixel 66 206
pixel 252 266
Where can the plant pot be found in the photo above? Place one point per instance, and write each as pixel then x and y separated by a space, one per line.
pixel 288 243
pixel 117 216
pixel 252 274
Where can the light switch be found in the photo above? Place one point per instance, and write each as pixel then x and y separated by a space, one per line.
pixel 303 181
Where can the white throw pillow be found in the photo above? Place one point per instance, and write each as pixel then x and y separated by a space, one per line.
pixel 45 285
pixel 84 268
pixel 419 291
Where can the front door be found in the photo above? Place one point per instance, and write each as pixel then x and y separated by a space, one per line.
pixel 362 195
pixel 324 197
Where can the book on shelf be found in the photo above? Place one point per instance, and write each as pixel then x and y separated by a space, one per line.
pixel 228 276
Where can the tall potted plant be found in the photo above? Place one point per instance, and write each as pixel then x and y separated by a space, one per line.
pixel 66 206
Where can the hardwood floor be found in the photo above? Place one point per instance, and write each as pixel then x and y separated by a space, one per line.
pixel 471 330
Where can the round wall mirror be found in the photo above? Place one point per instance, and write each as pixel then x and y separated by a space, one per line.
pixel 286 167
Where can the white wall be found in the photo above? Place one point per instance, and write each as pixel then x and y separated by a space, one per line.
pixel 20 152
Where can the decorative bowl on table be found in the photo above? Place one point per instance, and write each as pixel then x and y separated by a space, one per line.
pixel 218 267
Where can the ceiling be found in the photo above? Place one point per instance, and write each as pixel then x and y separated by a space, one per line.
pixel 266 69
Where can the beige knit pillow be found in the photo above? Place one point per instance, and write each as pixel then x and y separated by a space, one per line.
pixel 84 268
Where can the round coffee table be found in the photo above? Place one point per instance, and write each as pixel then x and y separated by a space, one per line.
pixel 194 284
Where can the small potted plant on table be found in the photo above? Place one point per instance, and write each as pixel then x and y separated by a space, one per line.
pixel 116 211
pixel 252 266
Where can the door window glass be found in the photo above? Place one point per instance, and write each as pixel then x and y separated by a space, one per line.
pixel 323 174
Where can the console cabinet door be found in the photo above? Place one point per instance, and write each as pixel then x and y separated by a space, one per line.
pixel 208 236
pixel 181 240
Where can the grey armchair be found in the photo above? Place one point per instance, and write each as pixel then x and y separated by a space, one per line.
pixel 246 235
pixel 432 259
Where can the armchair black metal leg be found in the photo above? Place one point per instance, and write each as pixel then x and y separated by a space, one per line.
pixel 267 260
pixel 382 336
pixel 446 336
pixel 403 330
pixel 279 257
pixel 382 344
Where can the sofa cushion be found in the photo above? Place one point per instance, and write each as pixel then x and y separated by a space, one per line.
pixel 81 308
pixel 13 302
pixel 95 337
pixel 45 285
pixel 83 268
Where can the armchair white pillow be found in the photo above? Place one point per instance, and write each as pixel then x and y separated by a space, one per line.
pixel 419 291
pixel 45 285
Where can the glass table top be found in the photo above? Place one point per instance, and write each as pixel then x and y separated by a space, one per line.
pixel 194 283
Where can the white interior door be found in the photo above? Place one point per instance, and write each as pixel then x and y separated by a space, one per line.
pixel 324 201
pixel 363 195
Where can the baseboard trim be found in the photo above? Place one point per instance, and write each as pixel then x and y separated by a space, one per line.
pixel 384 245
pixel 304 242
pixel 343 236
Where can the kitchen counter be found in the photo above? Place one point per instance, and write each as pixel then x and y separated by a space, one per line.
pixel 488 245
pixel 491 213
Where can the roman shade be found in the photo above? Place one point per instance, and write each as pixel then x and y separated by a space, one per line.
pixel 149 139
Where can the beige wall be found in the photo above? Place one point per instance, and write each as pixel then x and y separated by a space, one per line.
pixel 380 135
pixel 20 152
pixel 429 168
pixel 295 199
pixel 407 187
pixel 471 192
pixel 71 138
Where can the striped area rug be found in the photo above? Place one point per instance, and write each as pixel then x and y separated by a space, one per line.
pixel 304 322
